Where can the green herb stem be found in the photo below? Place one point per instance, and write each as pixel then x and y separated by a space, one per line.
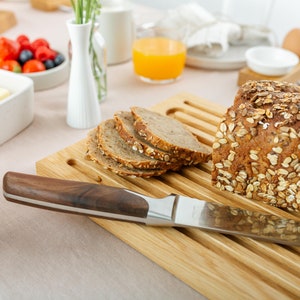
pixel 86 10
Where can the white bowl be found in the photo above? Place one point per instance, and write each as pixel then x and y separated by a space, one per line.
pixel 50 78
pixel 16 110
pixel 271 61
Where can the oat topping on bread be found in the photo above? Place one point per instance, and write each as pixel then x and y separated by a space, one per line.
pixel 257 145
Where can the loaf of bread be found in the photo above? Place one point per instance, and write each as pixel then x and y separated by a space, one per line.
pixel 117 144
pixel 257 148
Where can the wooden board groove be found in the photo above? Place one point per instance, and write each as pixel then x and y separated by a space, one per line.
pixel 216 265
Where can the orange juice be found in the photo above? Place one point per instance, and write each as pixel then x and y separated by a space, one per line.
pixel 158 58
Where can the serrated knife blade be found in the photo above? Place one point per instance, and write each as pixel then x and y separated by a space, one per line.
pixel 102 201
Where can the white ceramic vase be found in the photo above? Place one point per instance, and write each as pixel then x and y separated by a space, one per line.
pixel 83 110
pixel 99 63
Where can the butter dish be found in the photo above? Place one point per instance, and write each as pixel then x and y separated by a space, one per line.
pixel 16 110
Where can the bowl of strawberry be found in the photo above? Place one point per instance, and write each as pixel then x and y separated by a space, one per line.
pixel 35 59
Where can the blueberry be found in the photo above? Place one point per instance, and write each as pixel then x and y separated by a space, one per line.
pixel 24 56
pixel 59 59
pixel 49 64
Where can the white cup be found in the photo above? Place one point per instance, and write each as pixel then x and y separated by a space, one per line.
pixel 117 28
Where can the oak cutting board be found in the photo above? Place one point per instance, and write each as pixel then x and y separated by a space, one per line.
pixel 216 265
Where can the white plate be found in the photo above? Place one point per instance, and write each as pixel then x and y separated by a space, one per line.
pixel 50 78
pixel 233 59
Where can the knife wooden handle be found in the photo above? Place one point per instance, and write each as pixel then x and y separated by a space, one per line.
pixel 19 187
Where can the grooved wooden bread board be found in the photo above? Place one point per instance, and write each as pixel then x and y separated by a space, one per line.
pixel 217 266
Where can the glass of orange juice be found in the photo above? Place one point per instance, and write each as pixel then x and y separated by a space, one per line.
pixel 158 54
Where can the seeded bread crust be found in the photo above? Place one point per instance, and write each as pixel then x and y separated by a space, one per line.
pixel 257 148
pixel 169 135
pixel 114 146
pixel 124 124
pixel 95 154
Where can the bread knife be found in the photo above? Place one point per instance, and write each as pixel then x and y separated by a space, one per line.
pixel 96 200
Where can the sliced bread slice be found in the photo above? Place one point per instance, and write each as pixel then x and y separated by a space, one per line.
pixel 96 155
pixel 124 124
pixel 114 146
pixel 169 135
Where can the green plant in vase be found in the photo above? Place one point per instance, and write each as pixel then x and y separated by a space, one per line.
pixel 88 11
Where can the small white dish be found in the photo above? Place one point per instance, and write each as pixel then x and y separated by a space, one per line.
pixel 271 61
pixel 50 78
pixel 16 110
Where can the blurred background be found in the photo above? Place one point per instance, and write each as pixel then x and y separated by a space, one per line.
pixel 278 15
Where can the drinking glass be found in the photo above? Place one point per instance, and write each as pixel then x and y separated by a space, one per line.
pixel 158 54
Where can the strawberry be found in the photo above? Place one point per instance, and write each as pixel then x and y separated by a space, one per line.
pixel 9 49
pixel 11 65
pixel 33 65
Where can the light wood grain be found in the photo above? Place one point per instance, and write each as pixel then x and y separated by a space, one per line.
pixel 7 20
pixel 216 265
pixel 49 5
pixel 247 74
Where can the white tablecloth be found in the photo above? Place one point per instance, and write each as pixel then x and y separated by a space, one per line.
pixel 48 255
